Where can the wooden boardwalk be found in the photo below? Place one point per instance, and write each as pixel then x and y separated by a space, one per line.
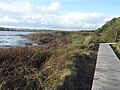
pixel 107 71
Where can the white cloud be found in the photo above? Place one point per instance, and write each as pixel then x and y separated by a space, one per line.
pixel 71 20
pixel 26 14
pixel 82 20
pixel 54 6
pixel 7 19
pixel 26 7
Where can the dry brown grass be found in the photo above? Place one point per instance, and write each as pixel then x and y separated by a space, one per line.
pixel 48 68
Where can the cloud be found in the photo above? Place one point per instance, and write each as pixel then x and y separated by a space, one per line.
pixel 7 19
pixel 25 14
pixel 26 7
pixel 54 6
pixel 71 20
pixel 82 20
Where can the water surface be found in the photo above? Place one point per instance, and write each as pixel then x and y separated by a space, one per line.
pixel 13 38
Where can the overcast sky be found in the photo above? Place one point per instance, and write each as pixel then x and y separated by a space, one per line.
pixel 57 14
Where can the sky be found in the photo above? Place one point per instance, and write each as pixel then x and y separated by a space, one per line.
pixel 57 14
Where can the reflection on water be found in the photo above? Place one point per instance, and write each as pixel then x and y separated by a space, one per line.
pixel 13 38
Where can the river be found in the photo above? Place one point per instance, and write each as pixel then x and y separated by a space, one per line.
pixel 13 39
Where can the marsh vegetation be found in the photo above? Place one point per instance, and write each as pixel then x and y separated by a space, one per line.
pixel 63 61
